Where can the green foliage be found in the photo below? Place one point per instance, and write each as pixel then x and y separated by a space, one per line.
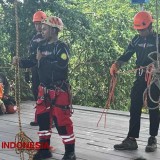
pixel 96 31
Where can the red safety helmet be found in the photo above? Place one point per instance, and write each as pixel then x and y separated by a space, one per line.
pixel 39 16
pixel 53 22
pixel 10 109
pixel 142 20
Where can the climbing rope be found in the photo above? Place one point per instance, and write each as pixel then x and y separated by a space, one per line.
pixel 21 136
pixel 154 72
pixel 150 78
pixel 110 99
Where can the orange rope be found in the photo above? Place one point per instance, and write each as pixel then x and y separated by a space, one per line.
pixel 148 78
pixel 110 99
pixel 148 75
pixel 113 83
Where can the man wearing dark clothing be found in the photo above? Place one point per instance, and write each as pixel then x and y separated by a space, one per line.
pixel 142 44
pixel 31 61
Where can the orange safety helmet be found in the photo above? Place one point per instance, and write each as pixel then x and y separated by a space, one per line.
pixel 142 20
pixel 10 109
pixel 39 16
pixel 54 22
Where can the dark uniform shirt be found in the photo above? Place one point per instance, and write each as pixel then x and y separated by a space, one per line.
pixel 142 47
pixel 53 66
pixel 31 60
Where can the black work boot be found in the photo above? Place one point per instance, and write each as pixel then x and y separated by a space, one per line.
pixel 152 144
pixel 69 152
pixel 42 154
pixel 127 144
pixel 34 124
pixel 140 158
pixel 69 156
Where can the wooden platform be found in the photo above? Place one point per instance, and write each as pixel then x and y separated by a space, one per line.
pixel 92 142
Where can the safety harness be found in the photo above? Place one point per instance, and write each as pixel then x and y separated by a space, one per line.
pixel 57 94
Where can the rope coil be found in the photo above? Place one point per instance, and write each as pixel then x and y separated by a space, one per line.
pixel 24 139
pixel 21 136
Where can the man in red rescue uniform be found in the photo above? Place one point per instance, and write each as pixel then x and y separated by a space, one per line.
pixel 142 44
pixel 53 95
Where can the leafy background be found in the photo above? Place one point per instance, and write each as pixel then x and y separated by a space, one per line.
pixel 97 32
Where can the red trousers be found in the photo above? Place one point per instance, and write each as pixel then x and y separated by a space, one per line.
pixel 53 105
